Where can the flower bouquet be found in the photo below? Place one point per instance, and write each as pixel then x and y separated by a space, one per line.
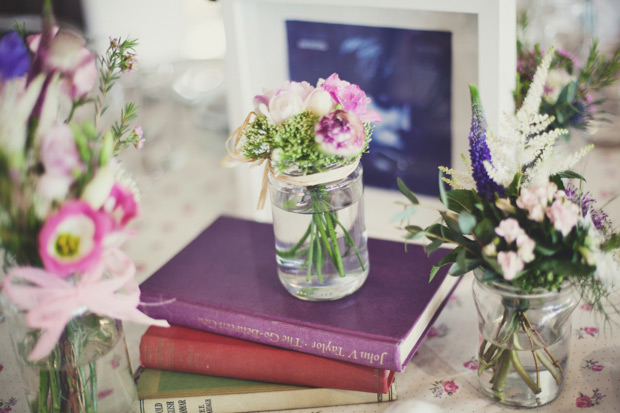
pixel 570 89
pixel 65 204
pixel 311 140
pixel 535 241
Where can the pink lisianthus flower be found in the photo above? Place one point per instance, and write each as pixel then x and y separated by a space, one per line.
pixel 351 97
pixel 340 133
pixel 510 264
pixel 526 247
pixel 60 158
pixel 71 240
pixel 121 206
pixel 564 215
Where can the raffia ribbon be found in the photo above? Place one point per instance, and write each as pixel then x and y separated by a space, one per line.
pixel 235 157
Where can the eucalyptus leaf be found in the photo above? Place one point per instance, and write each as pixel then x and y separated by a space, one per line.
pixel 467 222
pixel 442 191
pixel 485 231
pixel 406 214
pixel 433 246
pixel 406 191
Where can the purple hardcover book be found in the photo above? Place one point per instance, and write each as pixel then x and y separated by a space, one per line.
pixel 225 281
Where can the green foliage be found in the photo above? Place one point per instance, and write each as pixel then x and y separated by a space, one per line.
pixel 469 222
pixel 291 145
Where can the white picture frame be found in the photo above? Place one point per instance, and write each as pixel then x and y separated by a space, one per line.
pixel 484 52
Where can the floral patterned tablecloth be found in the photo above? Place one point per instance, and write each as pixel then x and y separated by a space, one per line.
pixel 187 190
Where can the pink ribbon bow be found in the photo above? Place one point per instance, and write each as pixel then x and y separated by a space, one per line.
pixel 52 302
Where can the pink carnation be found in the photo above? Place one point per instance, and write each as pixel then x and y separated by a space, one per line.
pixel 510 264
pixel 509 229
pixel 564 215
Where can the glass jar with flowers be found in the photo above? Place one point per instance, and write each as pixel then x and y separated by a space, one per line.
pixel 65 204
pixel 311 140
pixel 536 244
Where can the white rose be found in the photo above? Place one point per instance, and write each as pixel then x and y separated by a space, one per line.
pixel 320 102
pixel 284 106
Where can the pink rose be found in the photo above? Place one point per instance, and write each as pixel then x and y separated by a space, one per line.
pixel 583 402
pixel 564 215
pixel 510 263
pixel 449 386
pixel 320 102
pixel 472 365
pixel 590 330
pixel 509 229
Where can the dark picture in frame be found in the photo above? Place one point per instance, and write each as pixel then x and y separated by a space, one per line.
pixel 408 75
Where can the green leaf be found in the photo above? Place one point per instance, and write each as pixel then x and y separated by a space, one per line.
pixel 571 175
pixel 433 246
pixel 467 222
pixel 406 214
pixel 513 188
pixel 461 199
pixel 434 270
pixel 406 191
pixel 442 191
pixel 545 251
pixel 466 266
pixel 485 231
pixel 414 232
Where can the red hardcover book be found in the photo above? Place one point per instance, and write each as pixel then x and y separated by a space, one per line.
pixel 192 351
pixel 225 281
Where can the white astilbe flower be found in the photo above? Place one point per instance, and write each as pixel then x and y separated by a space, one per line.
pixel 526 145
pixel 459 179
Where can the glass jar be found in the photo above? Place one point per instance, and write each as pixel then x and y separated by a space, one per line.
pixel 87 371
pixel 524 341
pixel 320 235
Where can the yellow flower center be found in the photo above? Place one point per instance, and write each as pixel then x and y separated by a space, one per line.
pixel 67 245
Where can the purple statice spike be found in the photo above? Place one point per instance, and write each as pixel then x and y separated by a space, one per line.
pixel 599 218
pixel 479 150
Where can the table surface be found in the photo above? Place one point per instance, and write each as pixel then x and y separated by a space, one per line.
pixel 184 189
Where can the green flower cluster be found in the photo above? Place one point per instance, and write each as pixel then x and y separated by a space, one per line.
pixel 291 146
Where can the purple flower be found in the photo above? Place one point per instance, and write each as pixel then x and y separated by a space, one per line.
pixel 479 150
pixel 599 217
pixel 14 57
pixel 340 133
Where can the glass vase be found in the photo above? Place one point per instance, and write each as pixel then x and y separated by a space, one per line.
pixel 87 371
pixel 320 235
pixel 524 341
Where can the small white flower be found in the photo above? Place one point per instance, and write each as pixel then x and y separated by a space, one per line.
pixel 490 250
pixel 608 269
pixel 320 102
pixel 284 106
pixel 504 205
pixel 556 81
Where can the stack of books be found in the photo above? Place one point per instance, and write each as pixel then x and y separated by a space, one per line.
pixel 239 342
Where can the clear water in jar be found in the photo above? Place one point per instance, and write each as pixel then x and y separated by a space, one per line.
pixel 299 230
